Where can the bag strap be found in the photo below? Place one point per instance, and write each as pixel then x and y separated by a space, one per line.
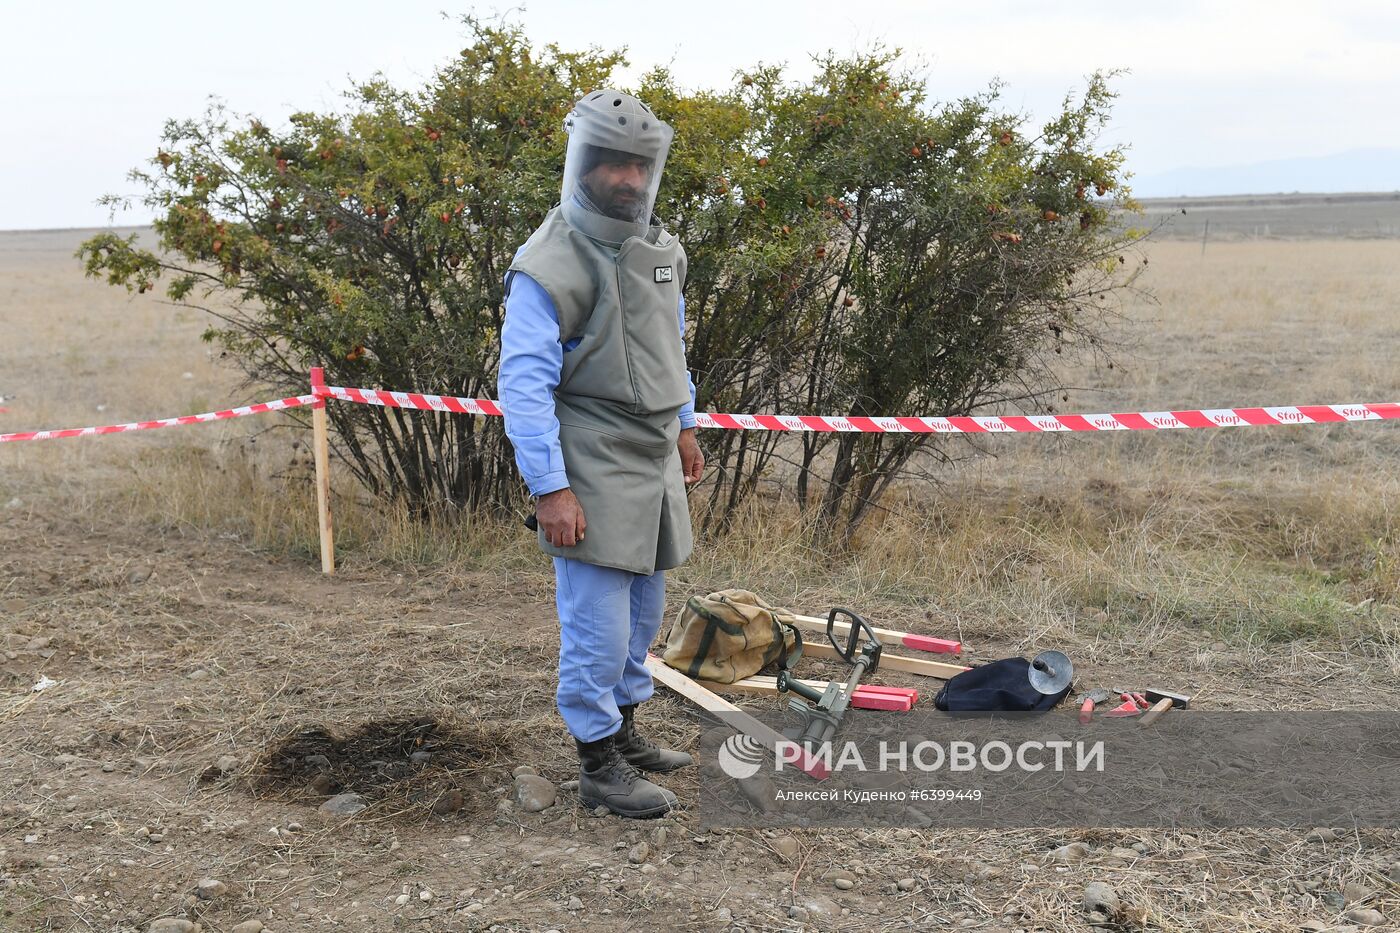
pixel 787 659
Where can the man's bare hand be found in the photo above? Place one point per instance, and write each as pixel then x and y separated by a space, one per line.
pixel 692 459
pixel 561 517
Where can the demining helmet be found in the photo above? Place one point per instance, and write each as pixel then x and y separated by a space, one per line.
pixel 612 169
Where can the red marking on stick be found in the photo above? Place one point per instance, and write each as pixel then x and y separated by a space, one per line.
pixel 909 692
pixel 881 701
pixel 936 645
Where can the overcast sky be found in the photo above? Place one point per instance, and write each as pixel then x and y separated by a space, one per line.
pixel 86 86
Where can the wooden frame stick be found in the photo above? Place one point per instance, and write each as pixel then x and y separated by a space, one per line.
pixel 320 436
pixel 886 635
pixel 894 662
pixel 729 714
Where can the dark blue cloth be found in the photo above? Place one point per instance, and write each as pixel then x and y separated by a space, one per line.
pixel 1002 686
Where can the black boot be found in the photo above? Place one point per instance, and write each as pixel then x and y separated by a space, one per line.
pixel 644 753
pixel 606 778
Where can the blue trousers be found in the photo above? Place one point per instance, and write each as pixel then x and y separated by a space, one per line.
pixel 608 619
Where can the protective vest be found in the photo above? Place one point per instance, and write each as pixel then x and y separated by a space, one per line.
pixel 620 389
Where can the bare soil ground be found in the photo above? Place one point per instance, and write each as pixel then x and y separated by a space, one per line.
pixel 165 583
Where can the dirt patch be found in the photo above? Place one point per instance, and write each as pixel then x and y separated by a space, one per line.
pixel 417 761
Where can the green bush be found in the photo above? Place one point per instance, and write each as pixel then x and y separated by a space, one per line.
pixel 853 250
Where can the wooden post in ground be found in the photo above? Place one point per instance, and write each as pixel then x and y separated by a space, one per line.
pixel 321 448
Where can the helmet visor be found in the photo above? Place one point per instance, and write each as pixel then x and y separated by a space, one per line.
pixel 615 157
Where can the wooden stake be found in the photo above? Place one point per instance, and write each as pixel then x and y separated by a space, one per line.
pixel 730 714
pixel 321 448
pixel 895 662
pixel 886 635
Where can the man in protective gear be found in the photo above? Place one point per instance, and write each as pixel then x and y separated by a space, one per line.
pixel 600 408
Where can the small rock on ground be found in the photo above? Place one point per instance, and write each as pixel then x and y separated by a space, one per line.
pixel 1074 852
pixel 1366 917
pixel 321 785
pixel 1100 898
pixel 639 853
pixel 843 879
pixel 210 888
pixel 343 805
pixel 248 926
pixel 1354 893
pixel 173 925
pixel 535 793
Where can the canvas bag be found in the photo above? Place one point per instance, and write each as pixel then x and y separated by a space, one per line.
pixel 729 635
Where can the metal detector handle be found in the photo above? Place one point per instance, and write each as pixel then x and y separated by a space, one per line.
pixel 857 625
pixel 787 680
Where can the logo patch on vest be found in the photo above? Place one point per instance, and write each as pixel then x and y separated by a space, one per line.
pixel 663 273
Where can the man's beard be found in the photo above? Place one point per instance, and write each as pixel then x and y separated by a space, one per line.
pixel 611 208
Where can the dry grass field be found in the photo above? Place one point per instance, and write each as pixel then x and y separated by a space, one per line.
pixel 167 582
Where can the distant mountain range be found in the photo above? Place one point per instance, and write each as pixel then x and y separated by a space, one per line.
pixel 1356 170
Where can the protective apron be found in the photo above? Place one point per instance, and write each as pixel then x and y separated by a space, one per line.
pixel 621 388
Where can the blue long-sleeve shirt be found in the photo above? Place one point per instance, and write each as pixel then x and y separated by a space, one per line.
pixel 531 361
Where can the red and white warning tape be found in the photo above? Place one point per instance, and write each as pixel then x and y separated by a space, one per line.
pixel 257 409
pixel 1004 424
pixel 462 406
